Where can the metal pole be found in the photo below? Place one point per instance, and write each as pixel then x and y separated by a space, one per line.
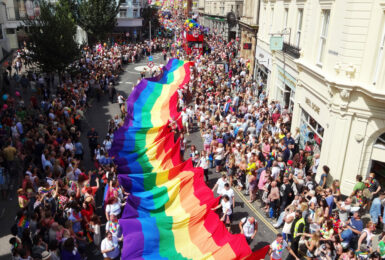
pixel 256 41
pixel 150 37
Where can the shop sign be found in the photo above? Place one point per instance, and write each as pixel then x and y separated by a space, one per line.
pixel 313 106
pixel 247 46
pixel 263 57
pixel 276 43
pixel 287 78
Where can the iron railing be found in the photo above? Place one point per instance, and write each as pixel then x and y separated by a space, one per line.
pixel 291 50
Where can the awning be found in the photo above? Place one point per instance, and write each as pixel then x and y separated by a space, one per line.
pixel 216 18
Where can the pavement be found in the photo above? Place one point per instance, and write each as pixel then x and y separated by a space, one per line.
pixel 97 116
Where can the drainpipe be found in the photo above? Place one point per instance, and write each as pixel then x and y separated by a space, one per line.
pixel 256 41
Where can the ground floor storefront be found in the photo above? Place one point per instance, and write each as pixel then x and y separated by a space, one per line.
pixel 344 125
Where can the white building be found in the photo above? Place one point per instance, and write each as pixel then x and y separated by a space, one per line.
pixel 332 76
pixel 214 13
pixel 4 45
pixel 129 20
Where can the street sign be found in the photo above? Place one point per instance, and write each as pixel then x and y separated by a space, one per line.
pixel 150 64
pixel 150 58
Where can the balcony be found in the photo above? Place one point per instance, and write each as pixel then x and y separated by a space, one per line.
pixel 291 50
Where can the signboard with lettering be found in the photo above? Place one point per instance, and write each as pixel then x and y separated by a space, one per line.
pixel 287 78
pixel 247 46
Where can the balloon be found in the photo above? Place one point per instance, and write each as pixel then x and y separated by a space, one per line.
pixel 5 97
pixel 17 93
pixel 190 25
pixel 5 106
pixel 104 44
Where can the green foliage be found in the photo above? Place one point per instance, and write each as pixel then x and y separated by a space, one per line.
pixel 51 40
pixel 150 13
pixel 96 17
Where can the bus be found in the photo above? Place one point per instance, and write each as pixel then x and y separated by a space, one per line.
pixel 193 42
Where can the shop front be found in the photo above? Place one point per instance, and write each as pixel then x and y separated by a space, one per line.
pixel 263 65
pixel 377 160
pixel 286 86
pixel 311 133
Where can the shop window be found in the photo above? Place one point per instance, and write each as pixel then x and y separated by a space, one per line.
pixel 10 31
pixel 380 142
pixel 311 133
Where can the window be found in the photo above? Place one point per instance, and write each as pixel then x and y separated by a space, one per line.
pixel 311 133
pixel 323 36
pixel 222 8
pixel 215 8
pixel 135 13
pixel 380 56
pixel 271 19
pixel 285 17
pixel 299 27
pixel 1 31
pixel 10 31
pixel 122 12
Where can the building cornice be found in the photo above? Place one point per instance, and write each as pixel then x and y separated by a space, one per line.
pixel 214 15
pixel 344 86
pixel 250 27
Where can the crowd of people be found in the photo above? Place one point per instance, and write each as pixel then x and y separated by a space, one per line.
pixel 246 139
pixel 43 144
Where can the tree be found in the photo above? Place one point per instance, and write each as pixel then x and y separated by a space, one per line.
pixel 51 42
pixel 150 14
pixel 96 17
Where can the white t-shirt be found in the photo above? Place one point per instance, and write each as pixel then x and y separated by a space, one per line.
pixel 248 228
pixel 221 185
pixel 277 249
pixel 203 162
pixel 219 153
pixel 109 244
pixel 184 117
pixel 287 226
pixel 275 171
pixel 230 193
pixel 120 99
pixel 113 209
pixel 343 214
pixel 226 207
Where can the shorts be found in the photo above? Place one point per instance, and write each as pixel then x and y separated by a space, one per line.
pixel 230 172
pixel 309 254
pixel 218 162
pixel 227 220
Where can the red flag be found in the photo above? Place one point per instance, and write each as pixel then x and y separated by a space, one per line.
pixel 259 254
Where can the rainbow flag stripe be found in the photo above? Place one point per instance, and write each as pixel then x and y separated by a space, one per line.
pixel 168 213
pixel 23 222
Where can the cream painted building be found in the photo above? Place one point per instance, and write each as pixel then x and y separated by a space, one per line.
pixel 332 76
pixel 213 15
pixel 249 28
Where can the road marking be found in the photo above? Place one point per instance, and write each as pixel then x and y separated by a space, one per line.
pixel 259 215
pixel 136 73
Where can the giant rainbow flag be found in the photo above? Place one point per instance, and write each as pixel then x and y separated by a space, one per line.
pixel 168 213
